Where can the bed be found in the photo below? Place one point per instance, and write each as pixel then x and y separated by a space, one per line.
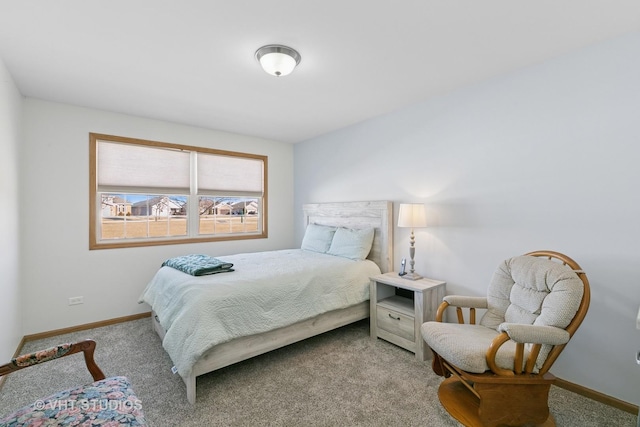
pixel 271 299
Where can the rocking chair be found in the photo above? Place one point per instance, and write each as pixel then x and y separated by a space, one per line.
pixel 497 372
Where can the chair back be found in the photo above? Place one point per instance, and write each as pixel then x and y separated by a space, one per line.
pixel 539 288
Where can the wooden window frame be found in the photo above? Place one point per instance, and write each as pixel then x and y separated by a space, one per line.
pixel 94 213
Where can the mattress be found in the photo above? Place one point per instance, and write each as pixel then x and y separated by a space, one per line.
pixel 267 291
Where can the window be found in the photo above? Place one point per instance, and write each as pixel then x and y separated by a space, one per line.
pixel 154 193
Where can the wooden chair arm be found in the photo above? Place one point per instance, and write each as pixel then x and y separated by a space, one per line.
pixel 26 360
pixel 493 350
pixel 441 308
pixel 461 302
pixel 466 301
pixel 535 334
pixel 520 366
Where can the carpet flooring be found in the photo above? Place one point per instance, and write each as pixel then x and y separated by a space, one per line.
pixel 340 378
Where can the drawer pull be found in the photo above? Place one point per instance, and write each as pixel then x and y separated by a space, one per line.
pixel 393 317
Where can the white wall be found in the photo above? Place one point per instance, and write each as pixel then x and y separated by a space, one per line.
pixel 54 183
pixel 545 158
pixel 10 297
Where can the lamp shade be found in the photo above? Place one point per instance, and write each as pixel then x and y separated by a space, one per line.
pixel 277 60
pixel 412 215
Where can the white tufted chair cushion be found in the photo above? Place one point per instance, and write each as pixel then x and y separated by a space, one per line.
pixel 534 291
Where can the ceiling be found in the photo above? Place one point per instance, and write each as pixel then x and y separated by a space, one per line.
pixel 192 61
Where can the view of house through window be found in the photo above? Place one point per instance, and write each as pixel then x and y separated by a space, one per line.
pixel 228 215
pixel 147 193
pixel 142 215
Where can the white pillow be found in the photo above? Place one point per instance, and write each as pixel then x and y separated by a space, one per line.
pixel 317 238
pixel 352 243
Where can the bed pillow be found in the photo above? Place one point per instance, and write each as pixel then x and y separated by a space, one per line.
pixel 317 238
pixel 352 243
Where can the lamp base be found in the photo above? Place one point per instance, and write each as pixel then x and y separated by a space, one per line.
pixel 411 276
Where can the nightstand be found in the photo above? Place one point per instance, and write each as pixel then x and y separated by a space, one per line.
pixel 400 306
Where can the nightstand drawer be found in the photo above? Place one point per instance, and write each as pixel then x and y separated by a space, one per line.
pixel 396 323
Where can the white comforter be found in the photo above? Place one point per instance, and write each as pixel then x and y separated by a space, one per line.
pixel 267 290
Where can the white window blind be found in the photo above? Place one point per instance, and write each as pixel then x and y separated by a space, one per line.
pixel 130 166
pixel 219 174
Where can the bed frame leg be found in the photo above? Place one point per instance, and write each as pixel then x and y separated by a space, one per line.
pixel 191 388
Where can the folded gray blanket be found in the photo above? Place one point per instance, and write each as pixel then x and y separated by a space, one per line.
pixel 198 264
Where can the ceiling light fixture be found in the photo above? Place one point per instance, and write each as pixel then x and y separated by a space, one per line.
pixel 277 60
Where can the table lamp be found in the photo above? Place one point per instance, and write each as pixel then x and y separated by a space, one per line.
pixel 412 215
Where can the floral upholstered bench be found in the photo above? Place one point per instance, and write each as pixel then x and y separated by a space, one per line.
pixel 106 401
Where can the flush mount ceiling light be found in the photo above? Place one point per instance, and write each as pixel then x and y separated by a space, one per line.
pixel 277 60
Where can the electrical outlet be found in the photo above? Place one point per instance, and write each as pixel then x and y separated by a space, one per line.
pixel 75 300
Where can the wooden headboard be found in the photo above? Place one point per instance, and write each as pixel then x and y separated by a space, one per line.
pixel 376 214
